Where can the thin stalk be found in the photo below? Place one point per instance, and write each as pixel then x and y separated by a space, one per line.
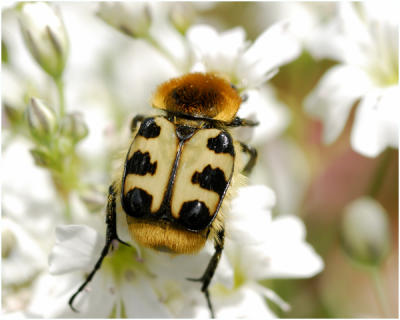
pixel 164 52
pixel 67 211
pixel 63 176
pixel 380 291
pixel 379 175
pixel 60 88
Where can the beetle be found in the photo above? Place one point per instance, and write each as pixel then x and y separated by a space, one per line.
pixel 180 169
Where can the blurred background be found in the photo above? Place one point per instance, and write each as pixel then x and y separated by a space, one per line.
pixel 108 78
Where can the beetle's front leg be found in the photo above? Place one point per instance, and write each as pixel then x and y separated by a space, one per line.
pixel 212 266
pixel 252 152
pixel 111 234
pixel 134 123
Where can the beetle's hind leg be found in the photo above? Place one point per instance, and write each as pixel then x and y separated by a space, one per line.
pixel 111 235
pixel 212 266
pixel 252 152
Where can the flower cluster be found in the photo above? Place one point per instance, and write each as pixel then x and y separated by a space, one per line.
pixel 364 43
pixel 91 68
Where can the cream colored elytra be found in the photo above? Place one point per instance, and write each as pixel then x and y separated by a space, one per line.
pixel 163 151
pixel 194 157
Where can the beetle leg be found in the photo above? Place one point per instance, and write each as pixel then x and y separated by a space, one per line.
pixel 209 273
pixel 239 122
pixel 252 152
pixel 111 234
pixel 134 123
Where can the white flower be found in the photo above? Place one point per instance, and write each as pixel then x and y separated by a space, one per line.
pixel 283 164
pixel 264 248
pixel 247 66
pixel 45 36
pixel 121 287
pixel 154 284
pixel 22 255
pixel 366 45
pixel 272 115
pixel 304 16
pixel 228 53
pixel 150 22
pixel 38 211
pixel 133 19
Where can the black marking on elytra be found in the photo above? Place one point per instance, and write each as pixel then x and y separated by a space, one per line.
pixel 140 164
pixel 137 202
pixel 221 144
pixel 184 132
pixel 149 129
pixel 211 179
pixel 194 215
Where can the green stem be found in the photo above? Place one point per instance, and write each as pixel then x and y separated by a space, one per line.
pixel 60 88
pixel 160 49
pixel 380 292
pixel 379 175
pixel 67 212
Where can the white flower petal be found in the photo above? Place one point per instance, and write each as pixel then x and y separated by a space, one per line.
pixel 376 124
pixel 181 267
pixel 130 17
pixel 291 256
pixel 217 52
pixel 75 249
pixel 250 214
pixel 273 48
pixel 224 274
pixel 262 106
pixel 202 38
pixel 140 301
pixel 257 197
pixel 335 94
pixel 14 315
pixel 51 295
pixel 172 43
pixel 325 43
pixel 243 303
pixel 250 261
pixel 383 12
pixel 343 38
pixel 98 298
pixel 24 259
pixel 178 267
pixel 272 296
pixel 194 306
pixel 352 24
pixel 284 163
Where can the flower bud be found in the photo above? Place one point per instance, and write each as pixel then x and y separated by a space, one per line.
pixel 65 145
pixel 14 115
pixel 4 52
pixel 45 36
pixel 365 231
pixel 8 242
pixel 41 158
pixel 42 120
pixel 132 18
pixel 182 15
pixel 74 127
